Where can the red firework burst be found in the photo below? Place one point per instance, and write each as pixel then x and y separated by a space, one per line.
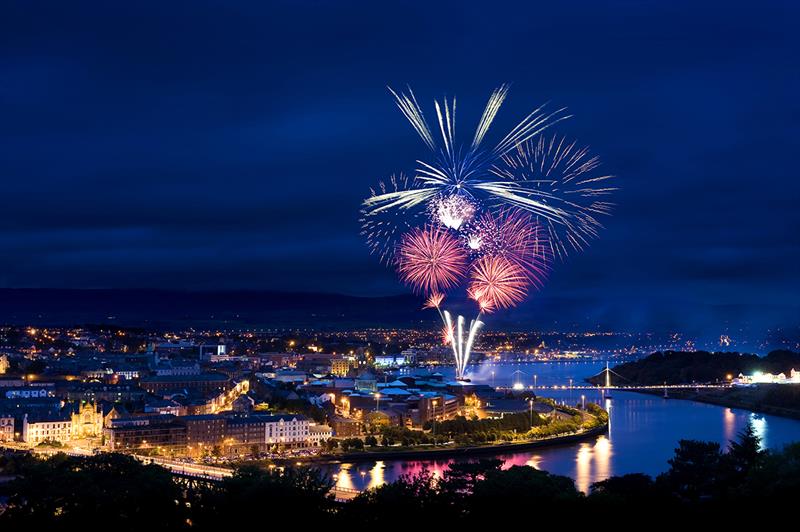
pixel 514 235
pixel 497 282
pixel 431 260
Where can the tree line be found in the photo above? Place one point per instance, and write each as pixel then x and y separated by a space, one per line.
pixel 116 491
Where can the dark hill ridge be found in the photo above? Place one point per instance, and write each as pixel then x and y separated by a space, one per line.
pixel 230 308
pixel 226 309
pixel 680 367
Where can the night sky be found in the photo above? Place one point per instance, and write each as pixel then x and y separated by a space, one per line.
pixel 227 145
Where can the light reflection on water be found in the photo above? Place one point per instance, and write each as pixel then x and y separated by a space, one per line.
pixel 643 432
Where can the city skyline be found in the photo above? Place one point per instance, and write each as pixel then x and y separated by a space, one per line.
pixel 234 155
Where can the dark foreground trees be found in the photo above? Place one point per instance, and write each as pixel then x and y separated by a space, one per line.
pixel 116 492
pixel 75 492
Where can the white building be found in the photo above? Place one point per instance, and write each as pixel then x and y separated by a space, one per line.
pixel 768 378
pixel 287 430
pixel 54 429
pixel 318 434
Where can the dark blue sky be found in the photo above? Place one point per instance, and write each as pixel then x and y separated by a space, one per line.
pixel 212 146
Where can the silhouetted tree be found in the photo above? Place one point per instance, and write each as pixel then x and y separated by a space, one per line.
pixel 697 471
pixel 625 489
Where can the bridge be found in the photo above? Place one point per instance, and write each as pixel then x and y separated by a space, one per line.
pixel 193 473
pixel 607 385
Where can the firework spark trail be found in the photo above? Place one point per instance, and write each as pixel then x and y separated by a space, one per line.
pixel 562 177
pixel 454 335
pixel 462 169
pixel 384 226
pixel 431 260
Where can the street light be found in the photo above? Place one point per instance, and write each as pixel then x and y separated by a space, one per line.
pixel 583 402
pixel 530 402
pixel 378 402
pixel 434 422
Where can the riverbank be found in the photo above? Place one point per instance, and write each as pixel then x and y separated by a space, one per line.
pixel 456 452
pixel 765 398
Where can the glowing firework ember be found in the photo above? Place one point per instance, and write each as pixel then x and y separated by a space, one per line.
pixel 452 211
pixel 498 281
pixel 431 260
pixel 495 216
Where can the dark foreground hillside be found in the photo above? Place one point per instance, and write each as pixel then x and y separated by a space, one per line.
pixel 113 491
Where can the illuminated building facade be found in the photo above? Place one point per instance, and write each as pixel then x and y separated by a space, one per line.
pixel 6 428
pixel 48 429
pixel 87 422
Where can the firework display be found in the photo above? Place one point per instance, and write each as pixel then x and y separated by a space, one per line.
pixel 431 260
pixel 491 219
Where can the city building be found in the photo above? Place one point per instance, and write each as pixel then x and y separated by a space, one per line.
pixel 87 421
pixel 341 366
pixel 286 431
pixel 213 352
pixel 434 406
pixel 317 434
pixel 29 392
pixel 6 427
pixel 768 378
pixel 204 430
pixel 53 428
pixel 145 432
pixel 391 361
pixel 245 432
pixel 164 406
pixel 99 391
pixel 345 427
pixel 203 384
pixel 174 368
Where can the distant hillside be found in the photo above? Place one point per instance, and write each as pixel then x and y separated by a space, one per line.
pixel 678 367
pixel 218 309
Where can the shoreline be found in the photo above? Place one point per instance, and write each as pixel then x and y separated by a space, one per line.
pixel 455 452
pixel 687 395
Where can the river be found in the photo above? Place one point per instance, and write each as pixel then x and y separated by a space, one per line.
pixel 643 430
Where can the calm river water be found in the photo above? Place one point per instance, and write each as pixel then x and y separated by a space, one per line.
pixel 643 431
